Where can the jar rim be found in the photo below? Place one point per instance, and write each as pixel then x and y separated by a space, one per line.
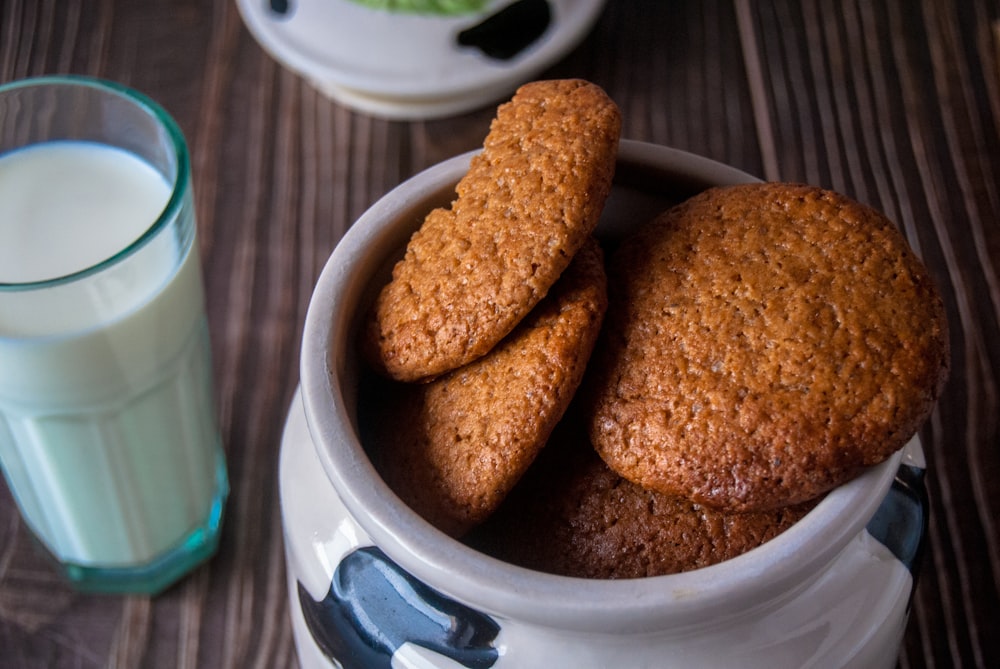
pixel 329 374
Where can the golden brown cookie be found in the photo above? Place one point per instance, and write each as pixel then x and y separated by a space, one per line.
pixel 529 201
pixel 452 448
pixel 571 515
pixel 765 343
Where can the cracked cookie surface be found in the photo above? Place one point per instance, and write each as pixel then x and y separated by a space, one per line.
pixel 764 343
pixel 528 202
pixel 454 447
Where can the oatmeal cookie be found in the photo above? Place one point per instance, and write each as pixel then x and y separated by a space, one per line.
pixel 764 344
pixel 452 448
pixel 572 515
pixel 528 202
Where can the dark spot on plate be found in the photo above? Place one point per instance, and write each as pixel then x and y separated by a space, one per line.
pixel 510 31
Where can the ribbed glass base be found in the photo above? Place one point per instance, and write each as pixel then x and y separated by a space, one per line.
pixel 153 577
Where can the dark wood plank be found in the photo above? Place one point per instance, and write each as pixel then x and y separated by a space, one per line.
pixel 896 103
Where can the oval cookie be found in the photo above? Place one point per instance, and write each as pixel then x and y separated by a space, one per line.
pixel 527 204
pixel 453 447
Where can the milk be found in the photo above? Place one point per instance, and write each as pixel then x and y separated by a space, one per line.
pixel 70 205
pixel 107 431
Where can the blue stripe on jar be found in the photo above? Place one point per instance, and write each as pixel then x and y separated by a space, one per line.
pixel 900 523
pixel 373 608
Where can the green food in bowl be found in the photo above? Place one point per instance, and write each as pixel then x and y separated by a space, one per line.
pixel 426 6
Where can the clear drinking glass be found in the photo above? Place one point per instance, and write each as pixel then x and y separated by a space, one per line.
pixel 108 434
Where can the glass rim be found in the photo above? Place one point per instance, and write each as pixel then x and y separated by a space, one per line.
pixel 170 209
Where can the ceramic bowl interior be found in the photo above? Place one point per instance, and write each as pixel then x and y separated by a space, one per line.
pixel 648 179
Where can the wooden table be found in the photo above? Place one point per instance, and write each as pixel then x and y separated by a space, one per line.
pixel 896 103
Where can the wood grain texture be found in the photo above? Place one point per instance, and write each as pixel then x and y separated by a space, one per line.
pixel 895 103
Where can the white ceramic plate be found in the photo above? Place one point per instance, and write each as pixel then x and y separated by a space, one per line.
pixel 408 65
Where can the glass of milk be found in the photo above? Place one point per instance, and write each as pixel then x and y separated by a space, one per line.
pixel 108 433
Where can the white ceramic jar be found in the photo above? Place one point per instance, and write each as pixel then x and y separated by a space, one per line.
pixel 372 585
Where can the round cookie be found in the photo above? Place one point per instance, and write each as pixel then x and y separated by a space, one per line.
pixel 453 447
pixel 571 515
pixel 529 200
pixel 764 343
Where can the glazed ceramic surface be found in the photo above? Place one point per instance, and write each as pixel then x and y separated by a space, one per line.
pixel 412 59
pixel 373 585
